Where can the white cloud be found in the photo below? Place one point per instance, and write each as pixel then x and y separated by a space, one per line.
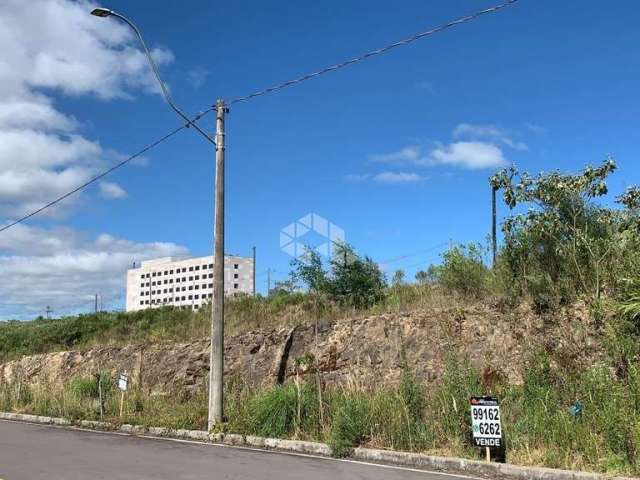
pixel 471 155
pixel 427 86
pixel 197 77
pixel 355 178
pixel 397 177
pixel 64 268
pixel 535 128
pixel 487 132
pixel 112 190
pixel 407 155
pixel 474 147
pixel 52 47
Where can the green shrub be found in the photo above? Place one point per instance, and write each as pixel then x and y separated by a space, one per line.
pixel 463 271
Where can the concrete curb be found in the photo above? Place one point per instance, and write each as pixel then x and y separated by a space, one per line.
pixel 406 459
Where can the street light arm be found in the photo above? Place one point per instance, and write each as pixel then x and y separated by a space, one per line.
pixel 165 92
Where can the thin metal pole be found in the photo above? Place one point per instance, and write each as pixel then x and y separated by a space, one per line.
pixel 494 242
pixel 216 361
pixel 254 271
pixel 96 304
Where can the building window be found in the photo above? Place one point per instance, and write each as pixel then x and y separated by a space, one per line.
pixel 235 275
pixel 190 297
pixel 171 290
pixel 211 265
pixel 191 269
pixel 211 285
pixel 142 285
pixel 178 280
pixel 204 285
pixel 183 299
pixel 197 277
pixel 211 275
pixel 153 283
pixel 184 288
pixel 197 287
pixel 171 272
pixel 146 302
pixel 164 291
pixel 166 272
pixel 191 279
pixel 197 267
pixel 141 302
pixel 235 285
pixel 190 287
pixel 235 266
pixel 196 297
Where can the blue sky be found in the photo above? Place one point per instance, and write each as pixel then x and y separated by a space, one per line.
pixel 395 150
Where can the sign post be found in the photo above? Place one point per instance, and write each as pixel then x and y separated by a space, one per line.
pixel 123 383
pixel 485 423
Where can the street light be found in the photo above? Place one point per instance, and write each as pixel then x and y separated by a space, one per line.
pixel 216 363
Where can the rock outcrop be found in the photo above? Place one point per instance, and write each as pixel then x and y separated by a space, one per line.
pixel 364 351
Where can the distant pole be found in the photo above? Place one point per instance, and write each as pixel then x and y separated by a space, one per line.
pixel 96 304
pixel 48 312
pixel 216 359
pixel 494 243
pixel 254 271
pixel 268 281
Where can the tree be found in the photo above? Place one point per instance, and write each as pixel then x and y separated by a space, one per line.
pixel 565 242
pixel 349 279
pixel 398 278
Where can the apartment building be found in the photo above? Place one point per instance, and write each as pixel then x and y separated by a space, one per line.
pixel 185 282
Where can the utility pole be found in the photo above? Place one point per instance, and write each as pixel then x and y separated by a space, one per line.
pixel 268 281
pixel 96 304
pixel 254 271
pixel 494 242
pixel 216 360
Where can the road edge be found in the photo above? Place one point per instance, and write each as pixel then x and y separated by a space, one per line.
pixel 369 455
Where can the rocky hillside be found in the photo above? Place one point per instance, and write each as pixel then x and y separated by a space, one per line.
pixel 365 351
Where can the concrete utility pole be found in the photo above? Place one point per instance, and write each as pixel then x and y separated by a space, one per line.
pixel 254 271
pixel 216 370
pixel 216 360
pixel 268 281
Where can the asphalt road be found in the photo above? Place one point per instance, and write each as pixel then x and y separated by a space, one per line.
pixel 34 452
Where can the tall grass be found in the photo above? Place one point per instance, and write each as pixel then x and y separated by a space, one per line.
pixel 411 416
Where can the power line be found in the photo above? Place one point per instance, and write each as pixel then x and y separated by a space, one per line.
pixel 414 254
pixel 378 51
pixel 106 172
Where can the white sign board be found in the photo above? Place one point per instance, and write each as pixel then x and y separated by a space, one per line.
pixel 485 422
pixel 123 381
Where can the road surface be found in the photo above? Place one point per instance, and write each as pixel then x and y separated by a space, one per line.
pixel 35 452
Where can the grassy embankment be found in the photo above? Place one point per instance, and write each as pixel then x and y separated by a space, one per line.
pixel 538 426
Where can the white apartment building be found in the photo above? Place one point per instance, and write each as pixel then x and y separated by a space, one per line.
pixel 184 282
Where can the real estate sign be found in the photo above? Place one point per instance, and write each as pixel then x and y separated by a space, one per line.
pixel 485 421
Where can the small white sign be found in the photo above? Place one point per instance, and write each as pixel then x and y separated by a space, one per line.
pixel 123 381
pixel 485 422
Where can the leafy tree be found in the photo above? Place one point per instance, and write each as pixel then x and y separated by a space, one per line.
pixel 565 244
pixel 398 278
pixel 349 279
pixel 422 277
